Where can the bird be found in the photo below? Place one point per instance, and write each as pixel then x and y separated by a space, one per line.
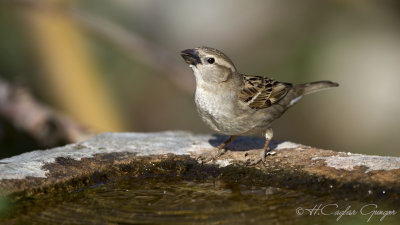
pixel 232 103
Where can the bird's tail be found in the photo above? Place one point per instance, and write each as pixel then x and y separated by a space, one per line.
pixel 308 88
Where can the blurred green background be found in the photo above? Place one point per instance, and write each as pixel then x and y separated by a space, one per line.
pixel 115 65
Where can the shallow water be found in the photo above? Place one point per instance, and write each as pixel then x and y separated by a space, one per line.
pixel 171 200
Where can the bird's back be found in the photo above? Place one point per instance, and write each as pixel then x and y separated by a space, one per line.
pixel 262 92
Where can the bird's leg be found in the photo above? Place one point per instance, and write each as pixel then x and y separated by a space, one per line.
pixel 219 151
pixel 268 136
pixel 221 147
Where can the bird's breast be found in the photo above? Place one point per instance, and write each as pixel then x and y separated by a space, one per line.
pixel 215 103
pixel 219 110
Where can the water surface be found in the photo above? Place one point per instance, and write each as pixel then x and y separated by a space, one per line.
pixel 172 200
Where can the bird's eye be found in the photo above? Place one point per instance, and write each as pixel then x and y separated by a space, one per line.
pixel 211 60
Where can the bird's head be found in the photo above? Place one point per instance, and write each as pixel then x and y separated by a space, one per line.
pixel 209 64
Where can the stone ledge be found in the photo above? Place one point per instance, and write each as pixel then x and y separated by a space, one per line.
pixel 114 154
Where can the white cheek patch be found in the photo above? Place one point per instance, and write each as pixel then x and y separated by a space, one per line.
pixel 196 73
pixel 294 101
pixel 195 69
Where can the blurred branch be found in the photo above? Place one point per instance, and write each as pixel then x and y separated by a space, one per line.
pixel 46 126
pixel 70 73
pixel 141 49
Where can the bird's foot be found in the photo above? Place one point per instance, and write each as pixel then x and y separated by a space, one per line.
pixel 262 158
pixel 219 152
pixel 252 161
pixel 265 153
pixel 211 156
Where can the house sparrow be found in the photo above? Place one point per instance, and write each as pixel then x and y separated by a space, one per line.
pixel 234 104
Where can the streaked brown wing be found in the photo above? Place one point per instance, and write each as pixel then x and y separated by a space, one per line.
pixel 261 92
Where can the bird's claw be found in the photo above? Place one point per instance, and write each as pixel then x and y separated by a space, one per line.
pixel 211 156
pixel 219 152
pixel 252 161
pixel 265 153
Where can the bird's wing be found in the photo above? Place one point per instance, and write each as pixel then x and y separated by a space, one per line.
pixel 261 92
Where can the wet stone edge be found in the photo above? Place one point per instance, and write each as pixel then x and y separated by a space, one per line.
pixel 70 175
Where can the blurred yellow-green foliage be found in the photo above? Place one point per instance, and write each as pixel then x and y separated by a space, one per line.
pixel 115 65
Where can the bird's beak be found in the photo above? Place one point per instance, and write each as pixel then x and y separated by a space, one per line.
pixel 190 56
